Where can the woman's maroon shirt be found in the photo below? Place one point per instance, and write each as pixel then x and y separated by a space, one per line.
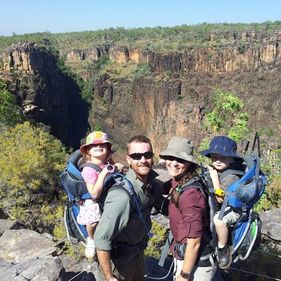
pixel 190 218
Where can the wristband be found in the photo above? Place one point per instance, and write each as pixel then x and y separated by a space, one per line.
pixel 184 274
pixel 219 192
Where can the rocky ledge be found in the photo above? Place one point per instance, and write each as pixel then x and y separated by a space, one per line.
pixel 28 255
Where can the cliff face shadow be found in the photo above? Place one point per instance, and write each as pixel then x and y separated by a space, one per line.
pixel 77 115
pixel 46 91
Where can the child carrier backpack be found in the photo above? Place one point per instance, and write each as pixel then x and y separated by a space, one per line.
pixel 76 190
pixel 243 195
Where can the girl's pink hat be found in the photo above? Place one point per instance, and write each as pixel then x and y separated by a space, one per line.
pixel 96 137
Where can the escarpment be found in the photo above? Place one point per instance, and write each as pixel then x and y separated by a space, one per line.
pixel 170 98
pixel 174 97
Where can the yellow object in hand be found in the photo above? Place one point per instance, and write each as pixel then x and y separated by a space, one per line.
pixel 219 192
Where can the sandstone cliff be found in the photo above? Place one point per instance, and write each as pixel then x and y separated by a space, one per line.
pixel 171 100
pixel 174 98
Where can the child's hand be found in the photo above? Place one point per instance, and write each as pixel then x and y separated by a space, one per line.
pixel 108 169
pixel 119 167
pixel 219 193
pixel 213 172
pixel 219 199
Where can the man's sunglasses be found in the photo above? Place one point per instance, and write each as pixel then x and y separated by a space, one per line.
pixel 138 156
pixel 172 158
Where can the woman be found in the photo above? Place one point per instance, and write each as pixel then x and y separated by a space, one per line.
pixel 188 213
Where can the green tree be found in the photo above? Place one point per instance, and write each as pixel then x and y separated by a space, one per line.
pixel 9 110
pixel 31 161
pixel 227 117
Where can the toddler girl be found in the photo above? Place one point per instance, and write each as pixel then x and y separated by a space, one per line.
pixel 96 150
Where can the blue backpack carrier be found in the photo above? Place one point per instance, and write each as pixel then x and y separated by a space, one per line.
pixel 76 190
pixel 243 195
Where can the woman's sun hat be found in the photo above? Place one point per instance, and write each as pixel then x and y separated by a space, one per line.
pixel 180 147
pixel 96 137
pixel 222 145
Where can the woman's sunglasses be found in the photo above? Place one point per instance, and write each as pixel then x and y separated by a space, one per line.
pixel 172 158
pixel 137 156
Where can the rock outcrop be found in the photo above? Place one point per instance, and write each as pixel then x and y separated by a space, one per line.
pixel 271 225
pixel 27 255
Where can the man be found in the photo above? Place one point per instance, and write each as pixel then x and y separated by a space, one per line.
pixel 121 235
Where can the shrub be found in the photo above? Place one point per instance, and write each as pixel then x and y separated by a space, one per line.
pixel 31 161
pixel 9 110
pixel 142 70
pixel 226 116
pixel 157 241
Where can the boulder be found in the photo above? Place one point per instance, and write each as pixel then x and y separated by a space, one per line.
pixel 6 225
pixel 17 245
pixel 271 223
pixel 26 255
pixel 46 268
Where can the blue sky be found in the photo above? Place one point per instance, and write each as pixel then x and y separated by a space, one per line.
pixel 29 16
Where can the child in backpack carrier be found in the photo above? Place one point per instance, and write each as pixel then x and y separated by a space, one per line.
pixel 222 151
pixel 96 150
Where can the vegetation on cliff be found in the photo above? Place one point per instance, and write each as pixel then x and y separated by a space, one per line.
pixel 10 112
pixel 226 116
pixel 157 38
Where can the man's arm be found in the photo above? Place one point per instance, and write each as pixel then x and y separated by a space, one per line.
pixel 105 264
pixel 114 218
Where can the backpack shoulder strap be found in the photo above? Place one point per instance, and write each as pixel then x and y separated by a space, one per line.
pixel 124 183
pixel 194 183
pixel 129 187
pixel 239 173
pixel 91 165
pixel 165 249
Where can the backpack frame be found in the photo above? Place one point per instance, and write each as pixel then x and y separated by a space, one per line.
pixel 243 194
pixel 76 190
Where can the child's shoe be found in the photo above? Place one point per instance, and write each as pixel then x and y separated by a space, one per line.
pixel 90 249
pixel 224 257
